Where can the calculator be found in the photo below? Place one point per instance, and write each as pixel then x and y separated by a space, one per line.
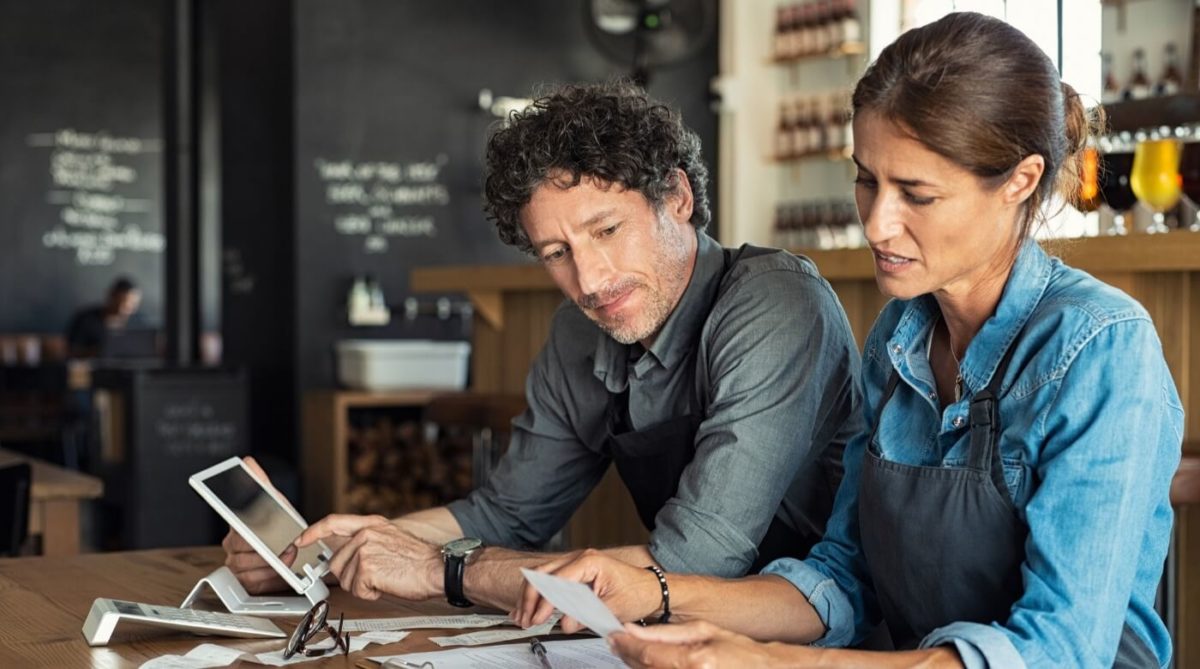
pixel 106 613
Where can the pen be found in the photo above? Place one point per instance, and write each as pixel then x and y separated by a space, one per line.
pixel 539 650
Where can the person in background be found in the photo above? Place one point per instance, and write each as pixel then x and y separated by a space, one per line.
pixel 89 326
pixel 722 383
pixel 1008 504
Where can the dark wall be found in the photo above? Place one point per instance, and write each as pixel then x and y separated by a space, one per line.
pixel 80 137
pixel 256 107
pixel 395 85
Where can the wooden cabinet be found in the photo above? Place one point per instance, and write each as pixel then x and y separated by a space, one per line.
pixel 391 453
pixel 326 428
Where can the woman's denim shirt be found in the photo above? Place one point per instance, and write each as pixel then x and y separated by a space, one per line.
pixel 1092 429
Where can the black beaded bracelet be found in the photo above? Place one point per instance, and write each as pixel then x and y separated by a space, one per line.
pixel 666 595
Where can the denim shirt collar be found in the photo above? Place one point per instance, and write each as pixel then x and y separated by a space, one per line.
pixel 679 333
pixel 1024 289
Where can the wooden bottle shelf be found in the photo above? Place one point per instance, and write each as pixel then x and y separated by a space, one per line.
pixel 842 50
pixel 838 155
pixel 1168 110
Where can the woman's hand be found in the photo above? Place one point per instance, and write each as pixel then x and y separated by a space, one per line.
pixel 630 592
pixel 696 645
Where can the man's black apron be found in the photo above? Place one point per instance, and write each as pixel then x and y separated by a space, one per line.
pixel 945 544
pixel 651 461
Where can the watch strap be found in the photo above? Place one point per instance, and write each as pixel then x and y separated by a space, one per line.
pixel 454 581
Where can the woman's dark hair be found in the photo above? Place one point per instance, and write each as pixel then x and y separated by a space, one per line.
pixel 980 93
pixel 612 132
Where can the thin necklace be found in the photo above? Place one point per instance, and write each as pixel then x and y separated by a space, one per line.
pixel 958 382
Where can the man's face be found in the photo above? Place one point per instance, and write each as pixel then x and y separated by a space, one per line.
pixel 610 252
pixel 126 303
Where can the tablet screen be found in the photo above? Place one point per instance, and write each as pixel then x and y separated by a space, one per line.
pixel 264 516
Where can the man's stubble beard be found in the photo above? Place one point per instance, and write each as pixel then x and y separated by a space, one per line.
pixel 672 260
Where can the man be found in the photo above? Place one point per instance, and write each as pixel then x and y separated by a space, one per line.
pixel 722 383
pixel 89 327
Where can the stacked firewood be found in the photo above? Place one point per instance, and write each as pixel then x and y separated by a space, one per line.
pixel 398 465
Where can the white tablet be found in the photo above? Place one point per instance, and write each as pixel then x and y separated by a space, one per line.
pixel 264 518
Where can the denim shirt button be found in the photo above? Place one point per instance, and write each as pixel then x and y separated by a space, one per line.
pixel 959 421
pixel 897 349
pixel 932 395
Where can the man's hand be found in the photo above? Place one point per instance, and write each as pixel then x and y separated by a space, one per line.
pixel 697 645
pixel 631 592
pixel 250 568
pixel 379 558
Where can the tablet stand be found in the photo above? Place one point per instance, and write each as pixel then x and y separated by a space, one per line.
pixel 237 600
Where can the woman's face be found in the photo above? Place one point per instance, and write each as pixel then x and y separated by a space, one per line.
pixel 933 226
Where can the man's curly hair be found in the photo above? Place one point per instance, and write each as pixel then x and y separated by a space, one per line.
pixel 610 131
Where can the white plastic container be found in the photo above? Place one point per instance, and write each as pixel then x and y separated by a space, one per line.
pixel 375 364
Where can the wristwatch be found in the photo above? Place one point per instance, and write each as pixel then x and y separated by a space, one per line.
pixel 456 555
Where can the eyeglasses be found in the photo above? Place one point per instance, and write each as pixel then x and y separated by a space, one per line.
pixel 314 623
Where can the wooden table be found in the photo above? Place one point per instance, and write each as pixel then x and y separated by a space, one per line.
pixel 56 495
pixel 44 600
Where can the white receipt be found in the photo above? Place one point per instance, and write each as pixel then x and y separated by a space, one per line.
pixel 470 621
pixel 576 600
pixel 497 636
pixel 571 654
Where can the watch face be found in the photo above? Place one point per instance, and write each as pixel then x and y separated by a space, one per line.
pixel 462 546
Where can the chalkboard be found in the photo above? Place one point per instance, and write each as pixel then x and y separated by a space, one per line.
pixel 391 136
pixel 81 140
pixel 180 421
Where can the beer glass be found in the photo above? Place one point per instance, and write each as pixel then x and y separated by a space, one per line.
pixel 1115 167
pixel 1155 177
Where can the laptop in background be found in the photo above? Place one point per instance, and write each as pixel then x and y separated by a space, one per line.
pixel 130 344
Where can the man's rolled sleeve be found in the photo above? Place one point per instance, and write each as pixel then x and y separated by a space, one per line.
pixel 546 472
pixel 830 603
pixel 689 540
pixel 979 646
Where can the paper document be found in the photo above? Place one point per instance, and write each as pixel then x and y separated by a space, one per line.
pixel 470 621
pixel 576 600
pixel 573 654
pixel 497 636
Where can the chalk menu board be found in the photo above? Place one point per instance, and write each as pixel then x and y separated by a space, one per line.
pixel 181 422
pixel 391 137
pixel 81 140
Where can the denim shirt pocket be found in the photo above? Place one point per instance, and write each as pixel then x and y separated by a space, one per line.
pixel 1014 474
pixel 1014 478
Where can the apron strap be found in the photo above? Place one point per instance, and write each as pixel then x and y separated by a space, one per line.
pixel 888 391
pixel 984 421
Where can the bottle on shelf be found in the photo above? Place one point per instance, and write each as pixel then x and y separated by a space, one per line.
pixel 834 25
pixel 820 29
pixel 800 134
pixel 835 131
pixel 805 36
pixel 780 41
pixel 1171 81
pixel 1112 90
pixel 783 132
pixel 358 301
pixel 816 126
pixel 1139 83
pixel 851 30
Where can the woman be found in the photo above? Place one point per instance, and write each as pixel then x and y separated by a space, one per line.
pixel 999 511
